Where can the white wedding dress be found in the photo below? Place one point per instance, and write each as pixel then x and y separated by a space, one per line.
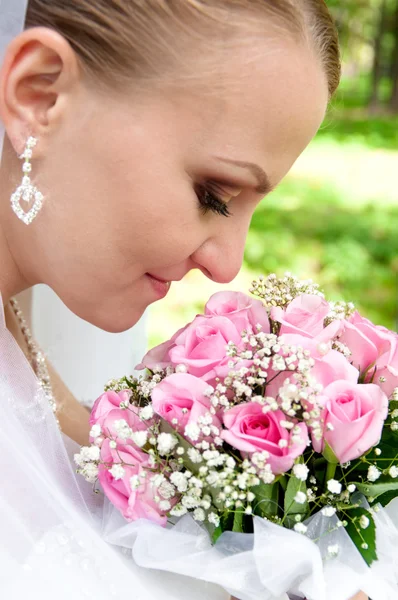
pixel 51 523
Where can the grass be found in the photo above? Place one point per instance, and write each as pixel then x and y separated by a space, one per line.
pixel 334 219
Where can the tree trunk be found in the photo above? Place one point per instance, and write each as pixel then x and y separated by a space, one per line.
pixel 378 53
pixel 394 64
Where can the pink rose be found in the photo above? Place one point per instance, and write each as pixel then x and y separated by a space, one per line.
pixel 105 404
pixel 106 411
pixel 249 430
pixel 387 370
pixel 133 503
pixel 158 357
pixel 245 312
pixel 332 367
pixel 355 414
pixel 372 349
pixel 182 397
pixel 201 346
pixel 305 315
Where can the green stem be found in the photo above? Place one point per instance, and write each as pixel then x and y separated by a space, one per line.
pixel 330 471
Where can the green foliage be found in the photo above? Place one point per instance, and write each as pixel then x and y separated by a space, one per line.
pixel 266 502
pixel 386 498
pixel 238 522
pixel 375 490
pixel 364 539
pixel 217 533
pixel 226 524
pixel 389 442
pixel 291 507
pixel 371 132
pixel 330 455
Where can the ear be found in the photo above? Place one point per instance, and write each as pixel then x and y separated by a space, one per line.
pixel 39 73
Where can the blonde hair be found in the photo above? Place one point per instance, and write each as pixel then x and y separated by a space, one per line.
pixel 119 39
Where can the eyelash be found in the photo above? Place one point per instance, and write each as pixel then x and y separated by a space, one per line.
pixel 209 201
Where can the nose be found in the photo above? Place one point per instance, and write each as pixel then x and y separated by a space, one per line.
pixel 220 257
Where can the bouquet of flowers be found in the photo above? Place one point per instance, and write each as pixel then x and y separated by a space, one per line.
pixel 268 429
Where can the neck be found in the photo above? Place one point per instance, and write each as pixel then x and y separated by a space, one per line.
pixel 11 279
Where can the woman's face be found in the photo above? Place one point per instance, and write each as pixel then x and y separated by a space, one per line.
pixel 137 185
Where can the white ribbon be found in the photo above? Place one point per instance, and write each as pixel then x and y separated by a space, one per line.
pixel 272 561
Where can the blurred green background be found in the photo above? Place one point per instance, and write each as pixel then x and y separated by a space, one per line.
pixel 335 217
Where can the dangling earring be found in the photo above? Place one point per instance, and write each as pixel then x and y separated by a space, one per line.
pixel 26 191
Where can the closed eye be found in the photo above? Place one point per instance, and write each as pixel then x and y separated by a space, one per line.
pixel 211 202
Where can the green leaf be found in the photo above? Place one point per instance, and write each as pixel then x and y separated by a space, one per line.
pixel 374 490
pixel 226 524
pixel 266 502
pixel 330 455
pixel 291 507
pixel 393 405
pixel 364 374
pixel 390 437
pixel 362 536
pixel 217 533
pixel 386 498
pixel 238 522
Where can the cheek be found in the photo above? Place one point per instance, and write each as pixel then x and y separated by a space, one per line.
pixel 160 224
pixel 135 225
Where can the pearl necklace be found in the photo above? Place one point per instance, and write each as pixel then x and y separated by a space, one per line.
pixel 36 357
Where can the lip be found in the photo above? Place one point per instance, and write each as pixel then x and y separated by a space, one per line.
pixel 160 286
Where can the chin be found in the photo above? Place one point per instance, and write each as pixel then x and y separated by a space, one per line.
pixel 117 322
pixel 110 317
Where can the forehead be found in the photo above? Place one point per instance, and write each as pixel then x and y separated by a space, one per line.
pixel 262 101
pixel 263 104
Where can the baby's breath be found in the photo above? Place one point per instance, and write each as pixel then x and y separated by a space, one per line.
pixel 276 291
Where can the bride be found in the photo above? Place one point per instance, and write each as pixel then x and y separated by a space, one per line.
pixel 139 138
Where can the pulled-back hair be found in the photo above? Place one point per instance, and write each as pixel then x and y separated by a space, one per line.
pixel 119 39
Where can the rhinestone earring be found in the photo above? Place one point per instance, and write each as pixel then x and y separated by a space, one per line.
pixel 26 191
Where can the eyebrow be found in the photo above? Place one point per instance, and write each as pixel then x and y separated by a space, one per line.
pixel 264 184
